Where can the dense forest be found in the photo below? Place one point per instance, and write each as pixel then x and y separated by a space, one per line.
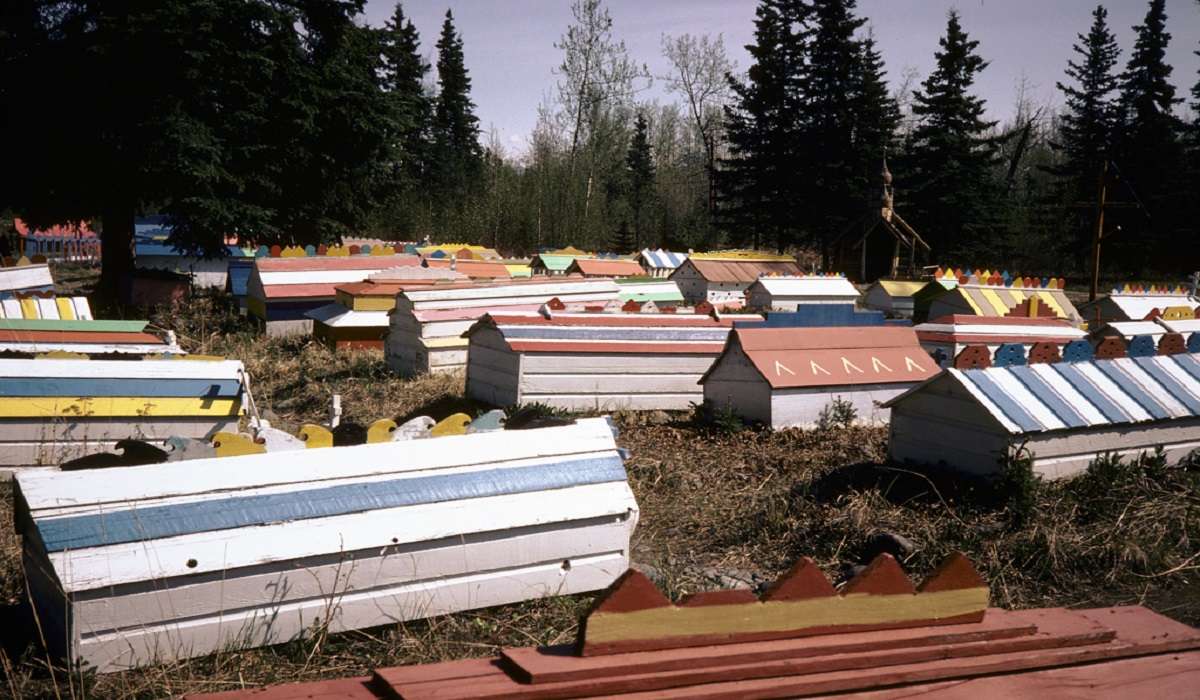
pixel 291 121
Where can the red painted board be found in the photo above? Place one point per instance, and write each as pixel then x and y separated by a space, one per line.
pixel 553 664
pixel 884 365
pixel 112 337
pixel 560 346
pixel 313 264
pixel 340 689
pixel 1058 629
pixel 458 671
pixel 1135 630
pixel 1160 676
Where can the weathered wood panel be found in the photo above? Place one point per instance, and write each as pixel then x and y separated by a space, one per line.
pixel 166 561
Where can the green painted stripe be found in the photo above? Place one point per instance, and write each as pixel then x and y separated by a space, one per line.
pixel 41 324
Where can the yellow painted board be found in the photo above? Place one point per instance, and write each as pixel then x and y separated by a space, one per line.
pixel 114 406
pixel 971 302
pixel 66 312
pixel 29 308
pixel 784 615
pixel 382 303
pixel 1049 300
pixel 994 299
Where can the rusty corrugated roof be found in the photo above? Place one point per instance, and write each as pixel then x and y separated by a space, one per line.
pixel 741 270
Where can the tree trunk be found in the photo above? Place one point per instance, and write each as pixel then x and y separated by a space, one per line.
pixel 116 251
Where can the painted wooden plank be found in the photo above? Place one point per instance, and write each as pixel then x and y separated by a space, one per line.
pixel 99 611
pixel 1152 387
pixel 1128 404
pixel 1190 364
pixel 156 522
pixel 1001 400
pixel 34 324
pixel 1118 375
pixel 585 437
pixel 1174 380
pixel 99 567
pixel 108 429
pixel 616 402
pixel 107 406
pixel 1033 405
pixel 289 488
pixel 567 363
pixel 44 386
pixel 1047 395
pixel 11 309
pixel 1112 411
pixel 1068 394
pixel 610 384
pixel 386 605
pixel 559 663
pixel 123 369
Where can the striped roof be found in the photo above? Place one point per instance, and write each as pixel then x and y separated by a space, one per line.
pixel 807 357
pixel 998 300
pixel 806 286
pixel 718 270
pixel 1067 395
pixel 661 259
pixel 641 334
pixel 989 330
pixel 49 308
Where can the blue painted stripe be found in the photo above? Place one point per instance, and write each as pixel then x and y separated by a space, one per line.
pixel 57 386
pixel 1153 367
pixel 156 522
pixel 1103 404
pixel 1003 401
pixel 1047 395
pixel 601 333
pixel 1189 363
pixel 1113 371
pixel 12 293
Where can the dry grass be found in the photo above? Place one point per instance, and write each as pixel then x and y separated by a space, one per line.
pixel 745 504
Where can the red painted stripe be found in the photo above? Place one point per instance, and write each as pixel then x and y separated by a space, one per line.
pixel 618 348
pixel 293 291
pixel 113 337
pixel 618 320
pixel 362 262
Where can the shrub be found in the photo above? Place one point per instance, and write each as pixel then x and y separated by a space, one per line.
pixel 839 413
pixel 1019 486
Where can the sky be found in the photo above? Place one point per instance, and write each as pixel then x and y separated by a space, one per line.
pixel 510 54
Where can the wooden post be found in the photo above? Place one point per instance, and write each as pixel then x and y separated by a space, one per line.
pixel 1099 235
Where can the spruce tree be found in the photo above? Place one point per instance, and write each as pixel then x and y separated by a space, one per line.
pixel 404 72
pixel 457 156
pixel 832 71
pixel 1149 153
pixel 876 118
pixel 1088 125
pixel 761 202
pixel 952 151
pixel 639 170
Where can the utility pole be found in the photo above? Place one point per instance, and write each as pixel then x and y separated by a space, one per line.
pixel 1099 235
